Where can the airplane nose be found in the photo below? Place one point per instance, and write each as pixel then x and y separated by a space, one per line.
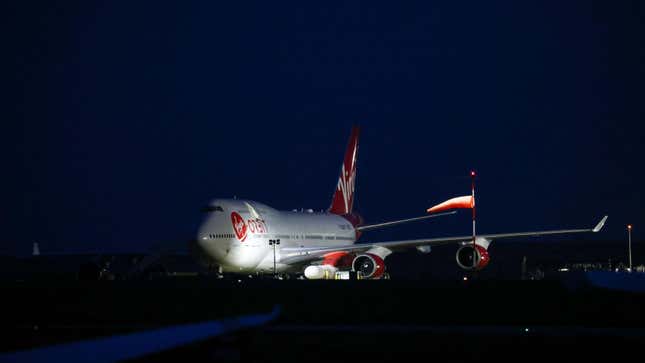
pixel 202 235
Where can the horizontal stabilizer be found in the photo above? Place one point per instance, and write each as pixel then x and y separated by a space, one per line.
pixel 393 223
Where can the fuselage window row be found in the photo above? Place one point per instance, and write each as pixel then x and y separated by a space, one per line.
pixel 282 236
pixel 216 236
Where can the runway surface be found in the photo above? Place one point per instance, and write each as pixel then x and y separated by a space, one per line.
pixel 349 320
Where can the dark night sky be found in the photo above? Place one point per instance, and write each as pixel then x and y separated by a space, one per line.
pixel 124 118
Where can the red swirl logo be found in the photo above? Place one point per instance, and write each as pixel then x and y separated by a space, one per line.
pixel 238 226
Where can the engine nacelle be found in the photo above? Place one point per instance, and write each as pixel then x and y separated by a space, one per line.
pixel 369 265
pixel 318 272
pixel 472 260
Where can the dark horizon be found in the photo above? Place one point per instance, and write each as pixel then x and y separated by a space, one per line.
pixel 125 119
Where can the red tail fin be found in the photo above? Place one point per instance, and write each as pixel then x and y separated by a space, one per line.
pixel 343 199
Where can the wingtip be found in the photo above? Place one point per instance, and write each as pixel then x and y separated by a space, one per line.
pixel 277 310
pixel 600 224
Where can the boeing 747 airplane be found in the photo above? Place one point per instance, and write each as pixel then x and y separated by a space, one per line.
pixel 245 236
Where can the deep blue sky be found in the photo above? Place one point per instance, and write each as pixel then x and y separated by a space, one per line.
pixel 124 118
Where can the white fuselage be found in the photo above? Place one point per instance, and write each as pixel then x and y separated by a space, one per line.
pixel 236 234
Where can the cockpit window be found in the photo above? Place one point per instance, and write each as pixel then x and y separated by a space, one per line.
pixel 212 208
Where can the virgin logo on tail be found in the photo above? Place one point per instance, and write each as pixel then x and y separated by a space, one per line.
pixel 343 199
pixel 346 188
pixel 238 226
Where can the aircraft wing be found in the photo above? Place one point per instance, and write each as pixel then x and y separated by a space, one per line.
pixel 139 344
pixel 306 254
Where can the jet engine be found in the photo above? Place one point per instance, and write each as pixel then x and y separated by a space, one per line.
pixel 369 265
pixel 472 259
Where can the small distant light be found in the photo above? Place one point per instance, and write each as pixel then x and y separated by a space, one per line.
pixel 526 330
pixel 629 226
pixel 472 173
pixel 465 278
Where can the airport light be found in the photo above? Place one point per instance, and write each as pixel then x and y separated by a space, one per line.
pixel 629 233
pixel 472 177
pixel 274 242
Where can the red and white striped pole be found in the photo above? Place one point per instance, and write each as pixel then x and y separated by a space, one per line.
pixel 472 176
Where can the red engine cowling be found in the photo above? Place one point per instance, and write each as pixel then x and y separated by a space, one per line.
pixel 369 265
pixel 341 259
pixel 472 260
